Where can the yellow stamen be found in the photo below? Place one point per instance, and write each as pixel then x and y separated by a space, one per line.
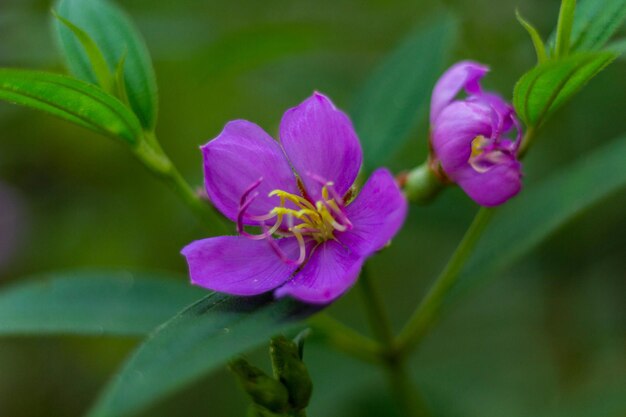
pixel 318 220
pixel 478 143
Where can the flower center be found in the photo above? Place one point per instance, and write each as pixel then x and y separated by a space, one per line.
pixel 296 216
pixel 484 155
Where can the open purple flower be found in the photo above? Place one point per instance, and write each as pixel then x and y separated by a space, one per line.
pixel 469 136
pixel 312 238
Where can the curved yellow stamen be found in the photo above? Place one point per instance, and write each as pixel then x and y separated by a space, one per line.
pixel 301 244
pixel 317 220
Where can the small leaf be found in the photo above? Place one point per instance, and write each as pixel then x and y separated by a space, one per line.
pixel 564 28
pixel 539 211
pixel 540 48
pixel 114 34
pixel 546 87
pixel 73 100
pixel 119 81
pixel 99 65
pixel 193 343
pixel 396 97
pixel 117 303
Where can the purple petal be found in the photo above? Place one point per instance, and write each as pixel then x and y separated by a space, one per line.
pixel 331 270
pixel 241 155
pixel 457 126
pixel 238 265
pixel 320 141
pixel 376 214
pixel 503 111
pixel 493 187
pixel 463 75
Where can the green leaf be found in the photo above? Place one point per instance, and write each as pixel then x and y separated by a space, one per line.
pixel 540 48
pixel 546 87
pixel 596 22
pixel 564 28
pixel 117 303
pixel 73 100
pixel 98 63
pixel 397 96
pixel 539 211
pixel 193 343
pixel 115 34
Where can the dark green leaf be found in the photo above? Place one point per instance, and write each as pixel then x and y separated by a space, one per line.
pixel 538 212
pixel 397 96
pixel 93 303
pixel 191 344
pixel 546 87
pixel 73 100
pixel 595 23
pixel 115 35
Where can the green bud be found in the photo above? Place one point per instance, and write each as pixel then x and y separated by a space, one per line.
pixel 264 390
pixel 291 371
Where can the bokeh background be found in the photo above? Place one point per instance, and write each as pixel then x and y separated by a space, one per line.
pixel 547 338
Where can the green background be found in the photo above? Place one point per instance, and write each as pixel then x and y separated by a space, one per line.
pixel 546 338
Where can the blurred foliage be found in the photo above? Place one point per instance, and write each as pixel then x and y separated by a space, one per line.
pixel 546 339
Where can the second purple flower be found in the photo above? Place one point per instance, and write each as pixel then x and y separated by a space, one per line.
pixel 313 237
pixel 469 137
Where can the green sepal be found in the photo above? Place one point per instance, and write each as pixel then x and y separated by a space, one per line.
pixel 263 389
pixel 291 371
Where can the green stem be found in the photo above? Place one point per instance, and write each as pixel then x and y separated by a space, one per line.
pixel 376 314
pixel 526 142
pixel 404 390
pixel 202 209
pixel 428 311
pixel 150 153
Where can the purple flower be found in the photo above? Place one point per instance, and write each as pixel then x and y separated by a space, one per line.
pixel 469 136
pixel 312 239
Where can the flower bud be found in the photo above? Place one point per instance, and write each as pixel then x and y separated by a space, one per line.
pixel 264 390
pixel 469 136
pixel 291 371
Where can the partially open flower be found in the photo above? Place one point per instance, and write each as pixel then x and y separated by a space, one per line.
pixel 313 237
pixel 469 137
